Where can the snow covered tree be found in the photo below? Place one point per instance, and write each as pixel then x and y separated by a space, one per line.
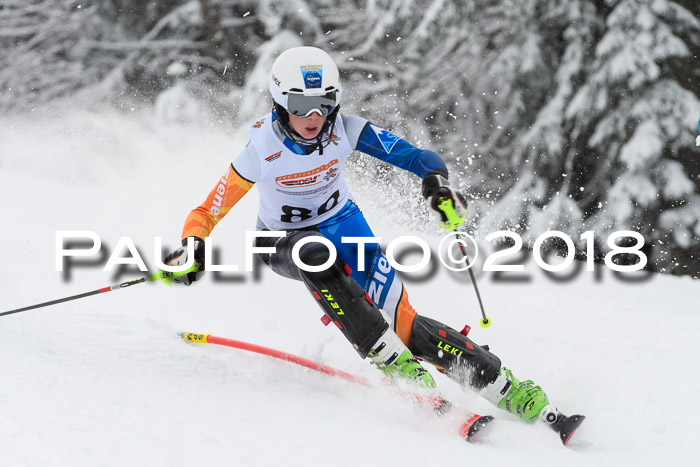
pixel 605 151
pixel 636 140
pixel 573 116
pixel 40 61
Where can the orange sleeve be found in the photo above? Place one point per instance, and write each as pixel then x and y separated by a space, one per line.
pixel 229 189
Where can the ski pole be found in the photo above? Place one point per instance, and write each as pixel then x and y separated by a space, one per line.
pixel 453 221
pixel 485 321
pixel 162 276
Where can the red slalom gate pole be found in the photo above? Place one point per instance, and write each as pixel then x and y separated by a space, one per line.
pixel 435 402
pixel 209 339
pixel 471 426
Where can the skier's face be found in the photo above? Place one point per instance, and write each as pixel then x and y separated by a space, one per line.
pixel 307 127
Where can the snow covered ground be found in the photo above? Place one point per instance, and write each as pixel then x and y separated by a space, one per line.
pixel 106 380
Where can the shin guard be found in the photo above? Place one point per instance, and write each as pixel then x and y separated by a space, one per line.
pixel 454 354
pixel 343 300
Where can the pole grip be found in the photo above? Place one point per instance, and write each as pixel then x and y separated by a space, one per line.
pixel 454 220
pixel 167 278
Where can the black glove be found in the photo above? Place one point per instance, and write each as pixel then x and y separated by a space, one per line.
pixel 179 258
pixel 450 204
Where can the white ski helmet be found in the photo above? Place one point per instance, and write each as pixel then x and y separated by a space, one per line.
pixel 305 80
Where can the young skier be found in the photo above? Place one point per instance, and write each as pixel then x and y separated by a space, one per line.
pixel 296 155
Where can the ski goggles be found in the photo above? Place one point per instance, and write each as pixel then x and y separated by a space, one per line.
pixel 302 106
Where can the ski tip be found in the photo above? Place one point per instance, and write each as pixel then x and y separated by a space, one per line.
pixel 472 426
pixel 569 428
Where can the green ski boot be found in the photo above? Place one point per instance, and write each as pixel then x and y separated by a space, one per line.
pixel 392 356
pixel 521 398
pixel 529 402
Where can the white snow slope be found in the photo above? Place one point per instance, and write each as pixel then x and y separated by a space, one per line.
pixel 106 380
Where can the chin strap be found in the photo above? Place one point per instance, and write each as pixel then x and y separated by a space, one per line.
pixel 319 142
pixel 328 128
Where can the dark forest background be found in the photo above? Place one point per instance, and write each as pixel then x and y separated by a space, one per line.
pixel 576 116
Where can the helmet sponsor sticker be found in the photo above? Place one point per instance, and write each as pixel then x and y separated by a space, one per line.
pixel 310 177
pixel 312 76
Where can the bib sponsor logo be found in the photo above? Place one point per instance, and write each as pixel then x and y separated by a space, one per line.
pixel 334 139
pixel 332 172
pixel 310 177
pixel 273 157
pixel 300 182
